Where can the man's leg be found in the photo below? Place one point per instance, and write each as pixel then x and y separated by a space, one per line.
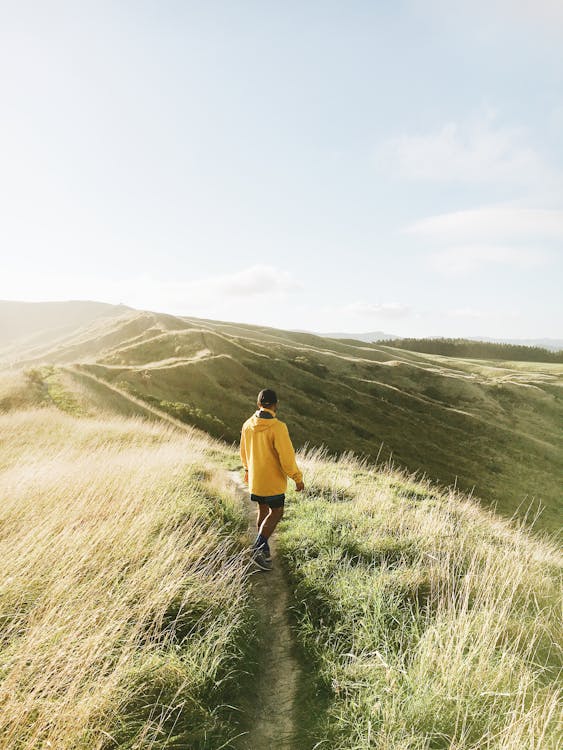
pixel 267 519
pixel 261 543
pixel 270 522
pixel 262 512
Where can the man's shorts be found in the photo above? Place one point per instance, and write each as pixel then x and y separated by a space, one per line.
pixel 274 501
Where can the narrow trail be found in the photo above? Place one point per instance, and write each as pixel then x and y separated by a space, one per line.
pixel 271 705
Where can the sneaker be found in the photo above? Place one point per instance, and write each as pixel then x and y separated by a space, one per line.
pixel 259 558
pixel 265 548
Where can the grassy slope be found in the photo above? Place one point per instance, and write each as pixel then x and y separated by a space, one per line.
pixel 433 624
pixel 122 588
pixel 494 427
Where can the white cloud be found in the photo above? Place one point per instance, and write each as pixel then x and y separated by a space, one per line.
pixel 466 241
pixel 482 152
pixel 256 280
pixel 470 313
pixel 466 312
pixel 547 13
pixel 206 296
pixel 389 310
pixel 474 152
pixel 491 224
pixel 468 258
pixel 501 15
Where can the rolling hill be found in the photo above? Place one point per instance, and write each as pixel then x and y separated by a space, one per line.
pixel 490 427
pixel 37 326
pixel 132 617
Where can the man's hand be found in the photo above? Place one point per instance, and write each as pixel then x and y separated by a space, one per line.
pixel 246 476
pixel 299 486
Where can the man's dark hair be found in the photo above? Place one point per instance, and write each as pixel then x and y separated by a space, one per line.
pixel 267 397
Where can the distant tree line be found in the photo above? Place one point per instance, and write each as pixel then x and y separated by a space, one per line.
pixel 475 349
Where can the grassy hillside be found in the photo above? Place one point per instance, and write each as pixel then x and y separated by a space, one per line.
pixel 122 588
pixel 432 623
pixel 124 599
pixel 492 427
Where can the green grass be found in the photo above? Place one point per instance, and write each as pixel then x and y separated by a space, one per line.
pixel 432 623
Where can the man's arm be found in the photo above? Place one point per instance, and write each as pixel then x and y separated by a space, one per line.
pixel 243 456
pixel 286 453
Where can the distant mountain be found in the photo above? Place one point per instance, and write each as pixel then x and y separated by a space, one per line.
pixel 40 324
pixel 372 336
pixel 368 337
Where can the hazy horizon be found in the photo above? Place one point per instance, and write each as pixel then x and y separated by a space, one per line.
pixel 552 343
pixel 393 167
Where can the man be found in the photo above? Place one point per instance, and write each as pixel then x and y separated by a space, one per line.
pixel 268 458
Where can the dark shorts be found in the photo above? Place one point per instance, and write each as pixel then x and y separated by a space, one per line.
pixel 274 501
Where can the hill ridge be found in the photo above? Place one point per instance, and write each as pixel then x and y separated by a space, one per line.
pixel 488 425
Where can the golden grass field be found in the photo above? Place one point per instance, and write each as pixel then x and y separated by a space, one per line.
pixel 427 622
pixel 122 588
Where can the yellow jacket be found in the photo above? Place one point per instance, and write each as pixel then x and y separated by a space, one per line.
pixel 266 451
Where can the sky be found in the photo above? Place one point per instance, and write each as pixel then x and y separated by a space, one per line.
pixel 330 166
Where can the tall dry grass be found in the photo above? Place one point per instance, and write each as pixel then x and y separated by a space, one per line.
pixel 122 591
pixel 433 623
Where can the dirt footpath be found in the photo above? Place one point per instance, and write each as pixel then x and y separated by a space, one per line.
pixel 270 710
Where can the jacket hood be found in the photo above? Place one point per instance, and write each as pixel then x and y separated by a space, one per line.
pixel 260 424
